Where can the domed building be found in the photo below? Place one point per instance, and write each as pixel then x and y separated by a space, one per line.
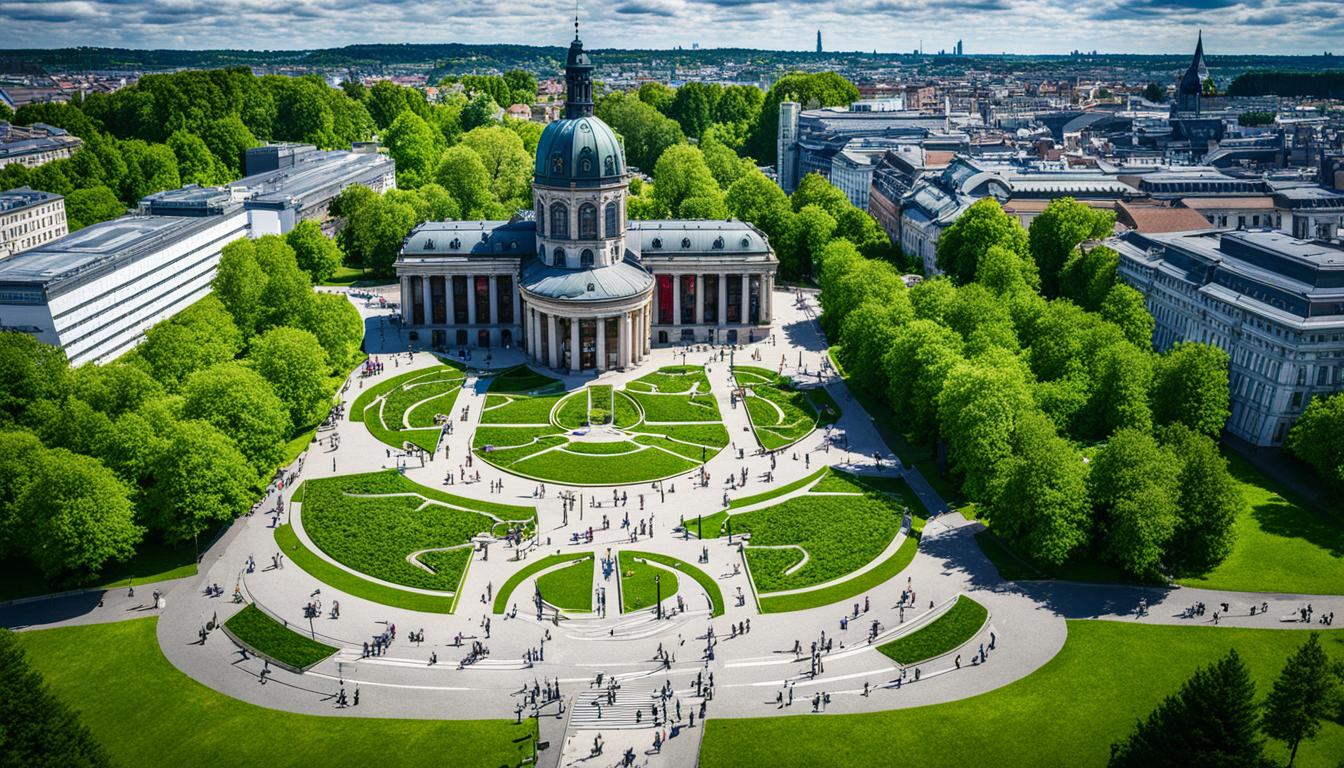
pixel 572 281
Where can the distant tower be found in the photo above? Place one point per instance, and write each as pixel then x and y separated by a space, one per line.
pixel 818 41
pixel 1191 88
pixel 958 47
pixel 786 146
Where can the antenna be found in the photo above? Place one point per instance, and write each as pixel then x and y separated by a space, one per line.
pixel 576 19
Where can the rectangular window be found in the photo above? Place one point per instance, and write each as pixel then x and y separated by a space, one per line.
pixel 664 299
pixel 504 298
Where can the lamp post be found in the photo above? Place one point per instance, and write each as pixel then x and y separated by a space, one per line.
pixel 658 586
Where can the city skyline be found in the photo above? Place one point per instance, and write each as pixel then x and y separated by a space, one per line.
pixel 900 26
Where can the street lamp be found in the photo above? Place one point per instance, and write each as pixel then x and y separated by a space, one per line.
pixel 658 585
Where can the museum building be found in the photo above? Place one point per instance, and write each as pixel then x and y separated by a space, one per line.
pixel 573 282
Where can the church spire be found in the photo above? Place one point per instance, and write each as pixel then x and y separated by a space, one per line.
pixel 578 78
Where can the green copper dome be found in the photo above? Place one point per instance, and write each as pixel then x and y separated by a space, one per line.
pixel 582 151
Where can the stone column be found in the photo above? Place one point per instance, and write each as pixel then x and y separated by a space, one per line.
pixel 553 346
pixel 492 311
pixel 471 299
pixel 746 299
pixel 700 299
pixel 623 341
pixel 648 333
pixel 601 344
pixel 767 297
pixel 428 299
pixel 676 300
pixel 404 300
pixel 517 316
pixel 450 305
pixel 723 301
pixel 575 359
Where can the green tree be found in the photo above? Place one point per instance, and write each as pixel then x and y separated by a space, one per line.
pixel 316 253
pixel 76 516
pixel 238 284
pixel 91 206
pixel 293 362
pixel 377 231
pixel 682 174
pixel 150 168
pixel 196 338
pixel 196 164
pixel 822 89
pixel 19 451
pixel 386 101
pixel 463 174
pixel 36 727
pixel 1120 376
pixel 1124 306
pixel 288 289
pixel 1058 230
pixel 1209 504
pixel 1089 276
pixel 1318 437
pixel 657 95
pixel 481 110
pixel 414 146
pixel 811 231
pixel 978 410
pixel 1038 499
pixel 337 325
pixel 229 139
pixel 239 402
pixel 200 481
pixel 115 388
pixel 33 370
pixel 917 366
pixel 868 332
pixel 645 131
pixel 1307 691
pixel 1133 484
pixel 693 107
pixel 522 84
pixel 1211 722
pixel 507 163
pixel 758 200
pixel 528 131
pixel 1190 387
pixel 983 225
pixel 1155 93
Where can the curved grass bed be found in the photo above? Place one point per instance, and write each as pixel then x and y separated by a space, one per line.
pixel 840 535
pixel 366 397
pixel 275 641
pixel 948 632
pixel 373 523
pixel 781 414
pixel 569 588
pixel 679 407
pixel 887 569
pixel 413 398
pixel 520 575
pixel 585 469
pixel 573 411
pixel 347 582
pixel 148 714
pixel 1110 673
pixel 775 493
pixel 706 583
pixel 611 448
pixel 638 590
pixel 627 412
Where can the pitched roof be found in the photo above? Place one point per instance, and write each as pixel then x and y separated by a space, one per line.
pixel 1156 218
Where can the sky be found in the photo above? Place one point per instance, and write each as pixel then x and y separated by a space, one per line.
pixel 986 26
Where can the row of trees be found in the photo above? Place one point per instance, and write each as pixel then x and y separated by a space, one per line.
pixel 178 435
pixel 1035 373
pixel 1215 718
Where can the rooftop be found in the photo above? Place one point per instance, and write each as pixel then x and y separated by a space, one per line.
pixel 313 173
pixel 14 200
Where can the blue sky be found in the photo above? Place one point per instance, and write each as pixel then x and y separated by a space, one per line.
pixel 987 26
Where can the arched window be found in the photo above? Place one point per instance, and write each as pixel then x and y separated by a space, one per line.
pixel 558 257
pixel 586 258
pixel 613 219
pixel 587 222
pixel 541 217
pixel 559 221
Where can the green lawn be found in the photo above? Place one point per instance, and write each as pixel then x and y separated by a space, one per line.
pixel 706 583
pixel 149 715
pixel 573 411
pixel 351 584
pixel 569 588
pixel 586 469
pixel 950 630
pixel 519 409
pixel 270 638
pixel 520 575
pixel 1284 544
pixel 840 533
pixel 153 561
pixel 681 407
pixel 353 520
pixel 1066 714
pixel 776 492
pixel 413 398
pixel 712 435
pixel 780 413
pixel 850 588
pixel 605 448
pixel 600 403
pixel 638 590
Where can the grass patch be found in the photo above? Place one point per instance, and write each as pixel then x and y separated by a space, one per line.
pixel 508 437
pixel 147 713
pixel 1110 673
pixel 366 398
pixel 349 583
pixel 951 630
pixel 521 380
pixel 519 409
pixel 677 407
pixel 781 414
pixel 840 534
pixel 627 413
pixel 1010 565
pixel 838 482
pixel 153 561
pixel 696 453
pixel 1284 543
pixel 270 638
pixel 573 411
pixel 348 519
pixel 600 403
pixel 607 448
pixel 579 469
pixel 520 575
pixel 775 493
pixel 712 435
pixel 638 589
pixel 706 583
pixel 569 588
pixel 507 457
pixel 870 579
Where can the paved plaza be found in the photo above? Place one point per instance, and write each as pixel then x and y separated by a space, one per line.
pixel 663 668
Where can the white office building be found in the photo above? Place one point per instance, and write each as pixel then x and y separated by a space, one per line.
pixel 29 218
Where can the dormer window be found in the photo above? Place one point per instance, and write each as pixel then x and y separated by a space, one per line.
pixel 718 242
pixel 429 244
pixel 455 244
pixel 685 242
pixel 746 242
pixel 657 242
